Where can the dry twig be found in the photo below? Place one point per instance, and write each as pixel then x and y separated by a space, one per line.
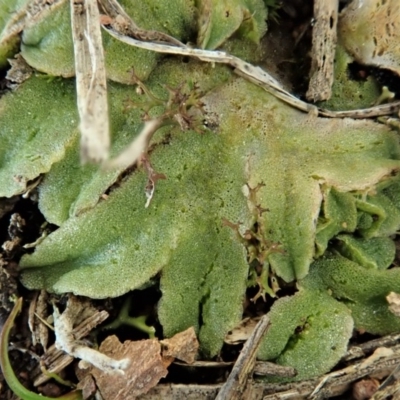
pixel 116 27
pixel 237 383
pixel 333 384
pixel 323 49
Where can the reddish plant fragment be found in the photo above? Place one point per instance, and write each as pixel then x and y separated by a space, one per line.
pixel 145 370
pixel 183 345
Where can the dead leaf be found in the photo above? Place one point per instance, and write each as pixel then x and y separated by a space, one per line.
pixel 146 368
pixel 183 345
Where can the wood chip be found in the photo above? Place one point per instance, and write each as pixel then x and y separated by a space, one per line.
pixel 265 368
pixel 145 370
pixel 183 346
pixel 364 389
pixel 37 314
pixel 323 49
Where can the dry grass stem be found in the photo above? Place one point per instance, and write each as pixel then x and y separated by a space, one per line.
pixel 254 74
pixel 113 9
pixel 91 84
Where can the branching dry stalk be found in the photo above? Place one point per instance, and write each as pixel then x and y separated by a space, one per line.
pixel 65 340
pixel 55 360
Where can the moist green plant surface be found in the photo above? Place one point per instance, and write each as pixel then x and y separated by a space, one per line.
pixel 319 197
pixel 48 46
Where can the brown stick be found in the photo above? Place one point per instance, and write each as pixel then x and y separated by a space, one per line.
pixel 323 49
pixel 237 382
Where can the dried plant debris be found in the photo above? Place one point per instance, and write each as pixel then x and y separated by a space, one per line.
pixel 65 340
pixel 323 49
pixel 394 303
pixel 149 360
pixel 145 369
pixel 7 370
pixel 183 346
pixel 237 386
pixel 256 191
pixel 91 84
pixel 242 331
pixel 55 360
pixel 15 230
pixel 8 284
pixel 370 32
pixel 329 172
pixel 38 313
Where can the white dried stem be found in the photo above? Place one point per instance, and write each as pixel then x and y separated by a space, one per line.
pixel 114 10
pixel 91 84
pixel 65 341
pixel 254 74
pixel 139 146
pixel 250 72
pixel 55 360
